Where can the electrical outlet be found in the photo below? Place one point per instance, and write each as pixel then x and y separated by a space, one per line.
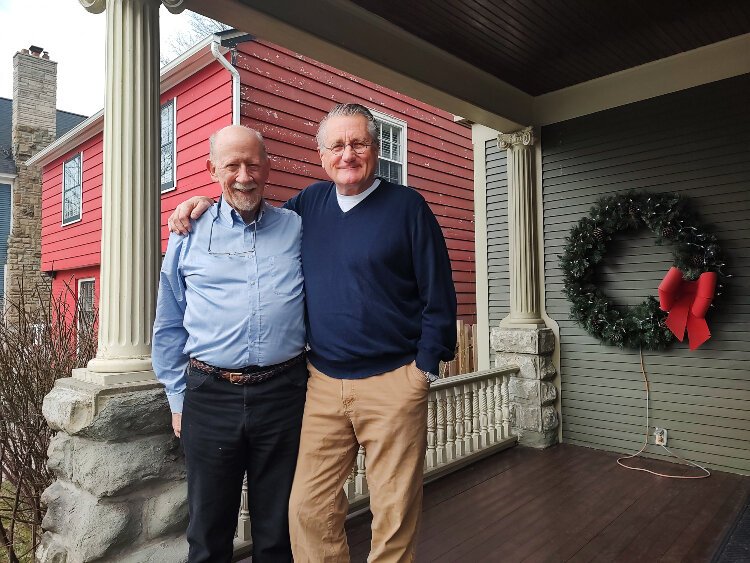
pixel 660 436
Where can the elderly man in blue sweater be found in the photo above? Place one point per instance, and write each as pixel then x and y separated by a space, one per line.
pixel 381 312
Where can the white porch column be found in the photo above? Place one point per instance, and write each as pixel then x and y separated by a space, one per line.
pixel 523 228
pixel 130 192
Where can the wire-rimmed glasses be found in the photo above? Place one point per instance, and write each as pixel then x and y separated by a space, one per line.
pixel 359 147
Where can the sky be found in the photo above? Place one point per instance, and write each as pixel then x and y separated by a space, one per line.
pixel 74 38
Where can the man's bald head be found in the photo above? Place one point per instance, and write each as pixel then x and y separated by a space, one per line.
pixel 233 131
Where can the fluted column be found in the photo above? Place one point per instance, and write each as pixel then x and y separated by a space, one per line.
pixel 130 192
pixel 523 227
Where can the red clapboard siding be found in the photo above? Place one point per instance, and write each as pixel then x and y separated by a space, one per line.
pixel 204 104
pixel 284 96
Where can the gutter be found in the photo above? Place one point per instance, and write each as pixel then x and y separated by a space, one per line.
pixel 215 44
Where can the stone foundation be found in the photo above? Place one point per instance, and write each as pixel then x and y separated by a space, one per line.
pixel 120 492
pixel 534 418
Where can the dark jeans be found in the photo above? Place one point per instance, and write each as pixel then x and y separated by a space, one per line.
pixel 228 430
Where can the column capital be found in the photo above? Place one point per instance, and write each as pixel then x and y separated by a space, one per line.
pixel 98 6
pixel 94 6
pixel 524 137
pixel 174 6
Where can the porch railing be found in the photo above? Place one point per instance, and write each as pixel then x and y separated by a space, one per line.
pixel 468 417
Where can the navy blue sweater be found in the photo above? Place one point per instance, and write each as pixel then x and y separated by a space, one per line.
pixel 378 282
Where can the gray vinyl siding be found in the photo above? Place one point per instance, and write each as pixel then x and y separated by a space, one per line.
pixel 4 232
pixel 497 233
pixel 696 142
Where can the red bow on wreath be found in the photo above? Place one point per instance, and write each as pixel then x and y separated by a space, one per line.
pixel 687 303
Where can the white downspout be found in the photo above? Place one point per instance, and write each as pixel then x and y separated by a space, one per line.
pixel 215 44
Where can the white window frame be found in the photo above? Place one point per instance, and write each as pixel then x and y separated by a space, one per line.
pixel 79 155
pixel 163 190
pixel 400 123
pixel 80 282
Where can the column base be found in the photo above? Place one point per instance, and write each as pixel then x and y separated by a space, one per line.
pixel 119 491
pixel 534 418
pixel 515 322
pixel 120 365
pixel 113 378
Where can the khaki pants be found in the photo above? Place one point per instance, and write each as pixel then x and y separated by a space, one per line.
pixel 387 414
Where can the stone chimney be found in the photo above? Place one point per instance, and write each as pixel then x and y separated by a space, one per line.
pixel 34 128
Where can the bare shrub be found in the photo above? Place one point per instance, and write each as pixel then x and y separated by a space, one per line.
pixel 39 343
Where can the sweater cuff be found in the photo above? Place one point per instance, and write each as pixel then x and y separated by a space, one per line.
pixel 428 362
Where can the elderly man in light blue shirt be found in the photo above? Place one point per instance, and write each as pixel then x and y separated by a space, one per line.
pixel 228 346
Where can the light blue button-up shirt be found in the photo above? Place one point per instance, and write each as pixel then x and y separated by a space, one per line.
pixel 240 304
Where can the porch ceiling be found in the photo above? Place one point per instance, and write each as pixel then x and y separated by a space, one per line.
pixel 507 64
pixel 540 46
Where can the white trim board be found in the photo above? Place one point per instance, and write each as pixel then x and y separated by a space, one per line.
pixel 479 137
pixel 682 71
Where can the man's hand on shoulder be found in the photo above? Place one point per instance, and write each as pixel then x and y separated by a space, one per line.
pixel 179 220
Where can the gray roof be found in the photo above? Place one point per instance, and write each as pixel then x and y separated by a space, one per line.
pixel 65 122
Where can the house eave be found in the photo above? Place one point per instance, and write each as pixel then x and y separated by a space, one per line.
pixel 184 66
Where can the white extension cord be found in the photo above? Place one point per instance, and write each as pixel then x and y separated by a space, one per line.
pixel 645 443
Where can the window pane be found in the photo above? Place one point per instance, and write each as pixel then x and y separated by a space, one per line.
pixel 72 190
pixel 167 146
pixel 390 171
pixel 166 165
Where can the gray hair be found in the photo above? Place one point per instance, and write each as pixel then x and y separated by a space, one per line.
pixel 212 140
pixel 347 110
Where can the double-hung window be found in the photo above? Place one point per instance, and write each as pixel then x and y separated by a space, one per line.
pixel 72 197
pixel 392 139
pixel 86 311
pixel 168 153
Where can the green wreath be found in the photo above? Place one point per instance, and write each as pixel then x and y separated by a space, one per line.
pixel 670 217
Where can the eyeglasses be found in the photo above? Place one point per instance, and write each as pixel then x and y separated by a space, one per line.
pixel 236 252
pixel 358 147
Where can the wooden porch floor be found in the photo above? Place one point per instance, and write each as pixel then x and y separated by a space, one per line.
pixel 569 503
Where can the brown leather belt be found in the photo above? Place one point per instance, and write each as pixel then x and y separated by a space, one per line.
pixel 248 375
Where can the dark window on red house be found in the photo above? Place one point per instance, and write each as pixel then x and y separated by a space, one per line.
pixel 72 192
pixel 168 146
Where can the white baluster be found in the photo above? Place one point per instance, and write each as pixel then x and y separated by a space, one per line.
pixel 441 430
pixel 490 391
pixel 350 489
pixel 469 418
pixel 460 445
pixel 430 455
pixel 476 436
pixel 497 384
pixel 483 415
pixel 243 523
pixel 360 480
pixel 505 394
pixel 450 424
